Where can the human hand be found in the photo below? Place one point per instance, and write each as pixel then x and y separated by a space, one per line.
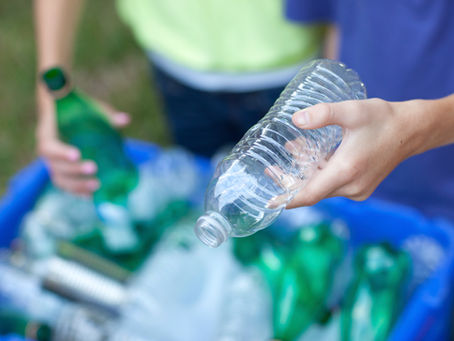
pixel 377 136
pixel 67 170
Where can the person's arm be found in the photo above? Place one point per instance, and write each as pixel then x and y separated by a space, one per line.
pixel 55 28
pixel 378 135
pixel 331 43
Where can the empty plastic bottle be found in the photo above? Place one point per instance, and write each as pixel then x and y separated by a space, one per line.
pixel 23 292
pixel 57 215
pixel 246 310
pixel 426 255
pixel 172 176
pixel 306 281
pixel 82 123
pixel 274 159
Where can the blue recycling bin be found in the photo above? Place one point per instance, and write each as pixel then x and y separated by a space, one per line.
pixel 426 316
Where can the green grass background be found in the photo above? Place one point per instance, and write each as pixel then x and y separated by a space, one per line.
pixel 108 65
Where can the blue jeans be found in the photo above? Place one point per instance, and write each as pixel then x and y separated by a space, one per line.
pixel 202 121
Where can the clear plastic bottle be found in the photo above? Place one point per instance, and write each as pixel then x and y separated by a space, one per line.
pixel 171 176
pixel 274 159
pixel 246 309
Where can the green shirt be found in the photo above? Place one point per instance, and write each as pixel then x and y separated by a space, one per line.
pixel 221 35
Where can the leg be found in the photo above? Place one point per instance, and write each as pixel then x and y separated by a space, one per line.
pixel 197 119
pixel 248 108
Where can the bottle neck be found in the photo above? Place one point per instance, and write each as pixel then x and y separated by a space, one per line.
pixel 61 93
pixel 212 229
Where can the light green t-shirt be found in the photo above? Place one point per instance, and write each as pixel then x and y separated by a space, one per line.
pixel 221 35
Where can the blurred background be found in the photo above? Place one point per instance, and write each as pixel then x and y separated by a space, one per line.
pixel 99 69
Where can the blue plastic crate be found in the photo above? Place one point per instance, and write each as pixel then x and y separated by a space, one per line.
pixel 426 317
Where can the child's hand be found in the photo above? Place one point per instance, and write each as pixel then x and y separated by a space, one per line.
pixel 67 170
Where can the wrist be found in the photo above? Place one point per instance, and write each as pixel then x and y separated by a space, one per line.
pixel 436 122
pixel 416 126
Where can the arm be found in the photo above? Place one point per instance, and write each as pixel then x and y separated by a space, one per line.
pixel 55 26
pixel 331 43
pixel 378 135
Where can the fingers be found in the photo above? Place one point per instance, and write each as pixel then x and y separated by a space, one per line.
pixel 325 182
pixel 343 114
pixel 339 178
pixel 74 177
pixel 319 187
pixel 54 149
pixel 66 168
pixel 117 118
pixel 86 168
pixel 76 185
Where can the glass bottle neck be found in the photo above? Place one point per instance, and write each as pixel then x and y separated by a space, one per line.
pixel 62 93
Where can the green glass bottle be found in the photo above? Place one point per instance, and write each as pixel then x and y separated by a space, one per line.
pixel 306 280
pixel 376 293
pixel 12 322
pixel 299 273
pixel 83 124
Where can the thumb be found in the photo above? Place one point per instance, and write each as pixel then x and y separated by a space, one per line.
pixel 117 118
pixel 324 114
pixel 55 149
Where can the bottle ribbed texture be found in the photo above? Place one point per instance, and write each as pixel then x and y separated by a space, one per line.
pixel 274 140
pixel 79 283
pixel 275 158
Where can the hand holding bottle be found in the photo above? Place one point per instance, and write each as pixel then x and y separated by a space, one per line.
pixel 377 136
pixel 68 171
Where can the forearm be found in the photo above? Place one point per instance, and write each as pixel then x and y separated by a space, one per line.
pixel 55 28
pixel 435 121
pixel 331 44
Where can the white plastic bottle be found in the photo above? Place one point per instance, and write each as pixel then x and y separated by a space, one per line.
pixel 274 159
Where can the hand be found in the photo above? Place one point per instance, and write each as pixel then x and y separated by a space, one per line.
pixel 67 170
pixel 377 136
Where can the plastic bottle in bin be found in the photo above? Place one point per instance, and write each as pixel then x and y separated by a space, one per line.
pixel 299 271
pixel 12 322
pixel 169 177
pixel 306 280
pixel 82 123
pixel 76 323
pixel 24 292
pixel 376 294
pixel 246 308
pixel 273 161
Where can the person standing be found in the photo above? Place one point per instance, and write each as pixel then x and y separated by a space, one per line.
pixel 218 65
pixel 397 145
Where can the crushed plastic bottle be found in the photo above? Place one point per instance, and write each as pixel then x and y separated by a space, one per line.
pixel 246 310
pixel 274 160
pixel 185 278
pixel 23 291
pixel 171 176
pixel 426 255
pixel 111 312
pixel 58 215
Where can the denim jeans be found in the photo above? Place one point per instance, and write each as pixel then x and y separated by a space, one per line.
pixel 203 121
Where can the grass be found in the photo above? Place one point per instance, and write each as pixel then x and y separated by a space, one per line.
pixel 108 66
